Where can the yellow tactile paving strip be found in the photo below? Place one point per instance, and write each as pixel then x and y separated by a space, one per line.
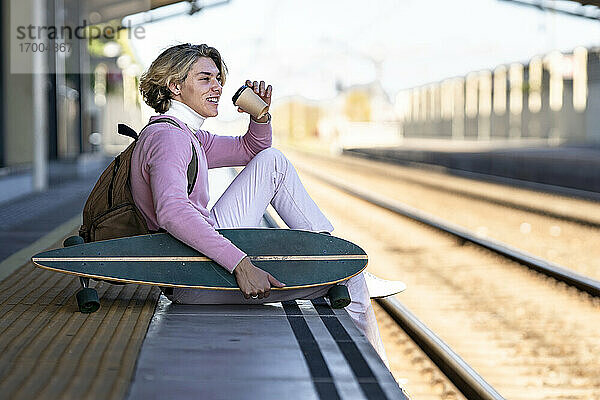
pixel 49 350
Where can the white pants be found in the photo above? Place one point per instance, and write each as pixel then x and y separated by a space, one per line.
pixel 270 178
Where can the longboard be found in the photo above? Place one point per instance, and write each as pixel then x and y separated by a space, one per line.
pixel 298 258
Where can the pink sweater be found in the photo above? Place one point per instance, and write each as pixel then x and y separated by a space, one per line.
pixel 159 181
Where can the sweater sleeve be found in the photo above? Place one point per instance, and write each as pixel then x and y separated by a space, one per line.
pixel 231 151
pixel 167 158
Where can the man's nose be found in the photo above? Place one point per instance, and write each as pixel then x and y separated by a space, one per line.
pixel 216 86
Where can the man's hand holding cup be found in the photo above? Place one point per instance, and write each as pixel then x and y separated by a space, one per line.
pixel 255 99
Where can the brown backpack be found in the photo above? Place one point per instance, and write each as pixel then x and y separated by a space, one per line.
pixel 110 211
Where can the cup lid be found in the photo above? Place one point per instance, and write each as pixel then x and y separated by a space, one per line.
pixel 238 93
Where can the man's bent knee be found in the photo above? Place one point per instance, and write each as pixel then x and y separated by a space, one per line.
pixel 271 155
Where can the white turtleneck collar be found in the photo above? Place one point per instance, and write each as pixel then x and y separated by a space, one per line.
pixel 185 114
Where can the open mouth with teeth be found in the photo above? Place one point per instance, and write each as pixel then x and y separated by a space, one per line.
pixel 214 100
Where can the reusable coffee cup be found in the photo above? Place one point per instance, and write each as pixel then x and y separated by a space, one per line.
pixel 249 101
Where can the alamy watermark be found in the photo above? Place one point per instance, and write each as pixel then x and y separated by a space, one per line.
pixel 31 42
pixel 83 31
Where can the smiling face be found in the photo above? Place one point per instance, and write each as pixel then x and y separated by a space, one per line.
pixel 201 89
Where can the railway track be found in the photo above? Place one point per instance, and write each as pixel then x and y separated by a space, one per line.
pixel 507 202
pixel 545 267
pixel 536 186
pixel 573 206
pixel 528 336
pixel 557 231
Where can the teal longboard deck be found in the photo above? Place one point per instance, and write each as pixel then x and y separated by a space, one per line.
pixel 298 258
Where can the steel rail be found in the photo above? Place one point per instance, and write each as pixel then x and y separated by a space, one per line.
pixel 539 187
pixel 515 182
pixel 503 202
pixel 465 378
pixel 558 272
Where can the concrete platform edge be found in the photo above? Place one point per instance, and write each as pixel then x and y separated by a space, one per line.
pixel 21 257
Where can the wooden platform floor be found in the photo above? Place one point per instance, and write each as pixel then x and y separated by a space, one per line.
pixel 49 350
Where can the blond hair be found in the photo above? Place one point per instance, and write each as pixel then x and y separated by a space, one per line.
pixel 173 66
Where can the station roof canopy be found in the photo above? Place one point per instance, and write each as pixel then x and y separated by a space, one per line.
pixel 105 10
pixel 98 11
pixel 579 8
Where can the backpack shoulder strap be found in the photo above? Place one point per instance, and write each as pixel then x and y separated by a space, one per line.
pixel 163 119
pixel 127 131
pixel 192 171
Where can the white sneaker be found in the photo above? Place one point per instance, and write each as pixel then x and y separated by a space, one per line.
pixel 379 288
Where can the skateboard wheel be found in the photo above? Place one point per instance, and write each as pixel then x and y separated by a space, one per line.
pixel 72 241
pixel 87 299
pixel 339 296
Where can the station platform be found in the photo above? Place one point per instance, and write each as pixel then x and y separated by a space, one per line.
pixel 140 346
pixel 298 350
pixel 576 167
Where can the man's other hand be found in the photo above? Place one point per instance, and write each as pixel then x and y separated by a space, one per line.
pixel 253 281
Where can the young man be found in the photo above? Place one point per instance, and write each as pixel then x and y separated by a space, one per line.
pixel 185 84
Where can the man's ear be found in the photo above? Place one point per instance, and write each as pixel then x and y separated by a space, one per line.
pixel 175 88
